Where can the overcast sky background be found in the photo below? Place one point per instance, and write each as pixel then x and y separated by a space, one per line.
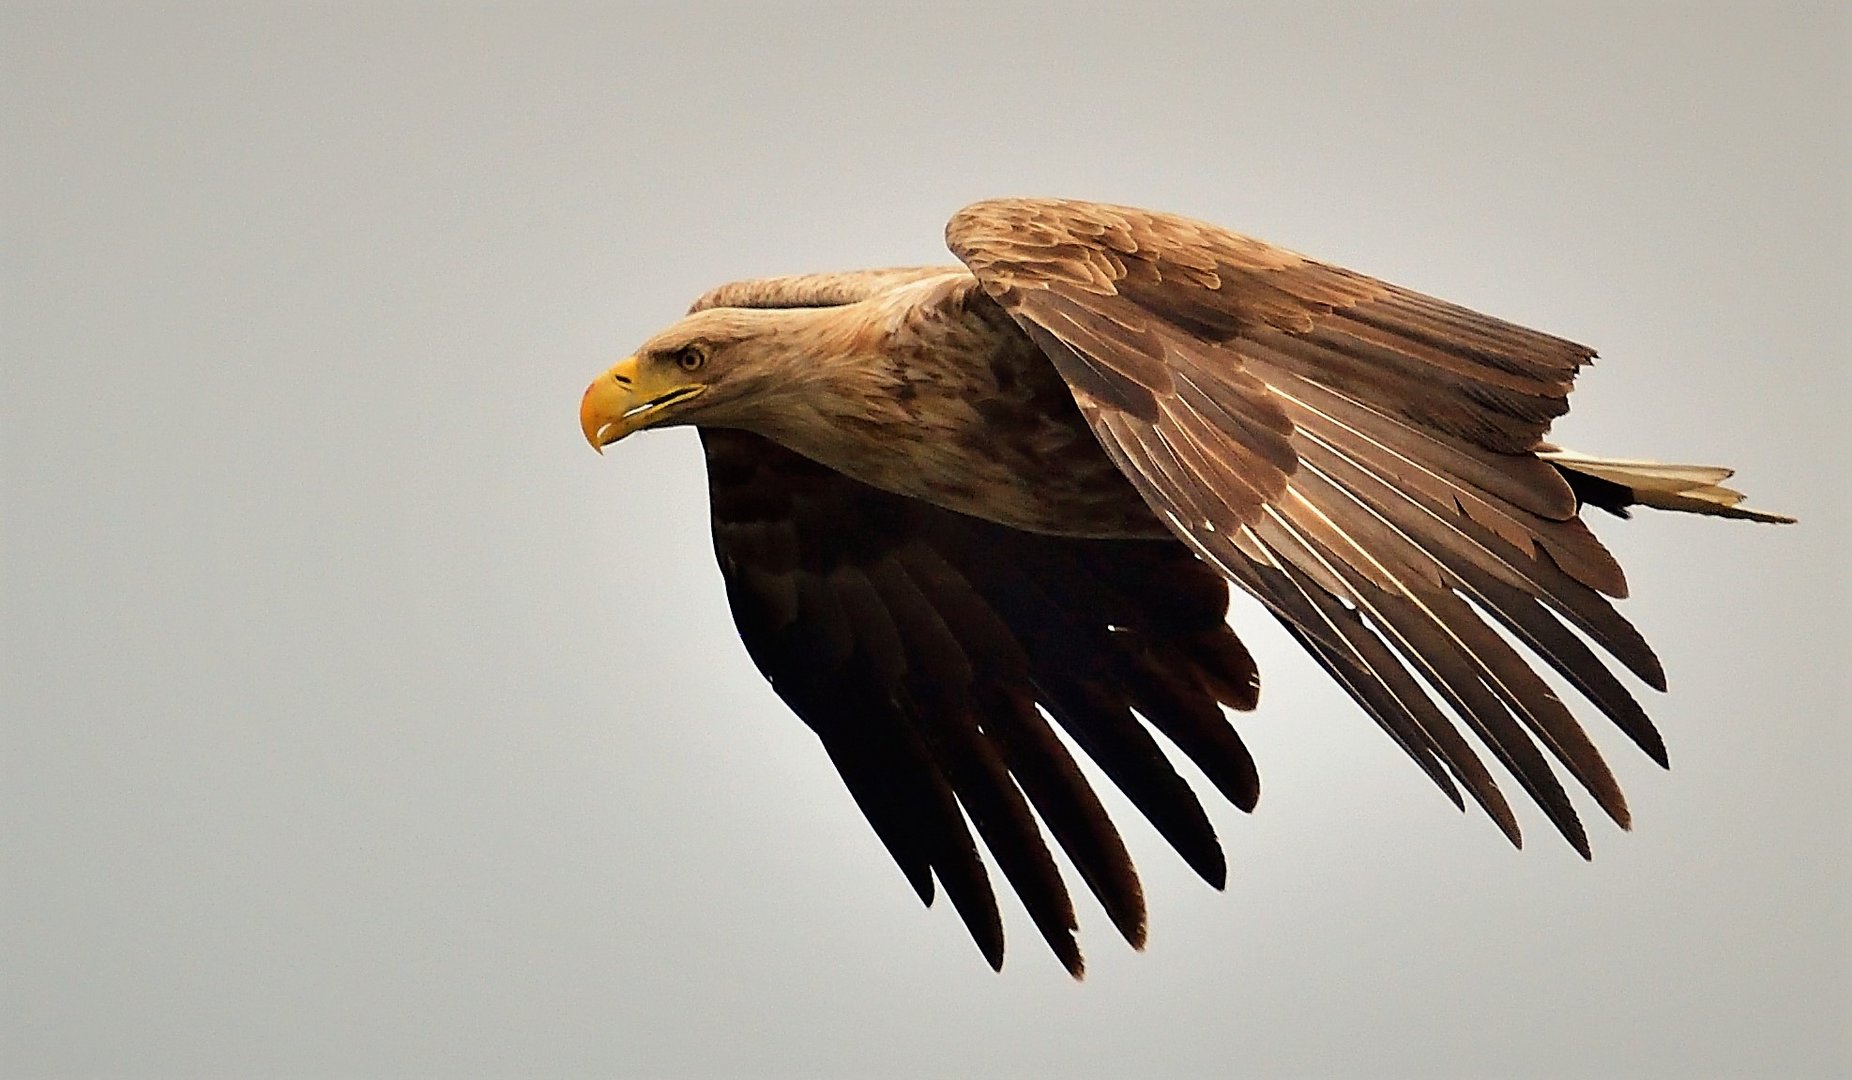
pixel 361 722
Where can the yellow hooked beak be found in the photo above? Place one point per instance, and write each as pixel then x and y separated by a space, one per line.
pixel 626 399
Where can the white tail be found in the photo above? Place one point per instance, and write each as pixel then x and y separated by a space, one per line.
pixel 1693 489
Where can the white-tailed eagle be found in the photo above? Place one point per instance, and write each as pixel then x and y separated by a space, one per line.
pixel 956 507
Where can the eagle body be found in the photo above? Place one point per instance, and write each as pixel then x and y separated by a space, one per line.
pixel 958 509
pixel 939 396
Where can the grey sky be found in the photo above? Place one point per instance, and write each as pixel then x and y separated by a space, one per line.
pixel 359 721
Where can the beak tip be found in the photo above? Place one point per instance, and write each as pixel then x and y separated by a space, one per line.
pixel 591 423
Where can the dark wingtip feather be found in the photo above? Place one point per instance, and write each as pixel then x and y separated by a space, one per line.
pixel 1067 951
pixel 1509 826
pixel 1578 839
pixel 1207 860
pixel 1215 874
pixel 1654 674
pixel 993 953
pixel 1569 824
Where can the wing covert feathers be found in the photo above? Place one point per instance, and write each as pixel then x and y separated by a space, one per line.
pixel 814 290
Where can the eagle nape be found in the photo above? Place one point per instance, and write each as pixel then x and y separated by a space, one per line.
pixel 963 511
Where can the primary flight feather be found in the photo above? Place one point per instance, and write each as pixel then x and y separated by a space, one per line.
pixel 951 503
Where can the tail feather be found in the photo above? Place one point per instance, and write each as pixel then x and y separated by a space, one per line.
pixel 1615 484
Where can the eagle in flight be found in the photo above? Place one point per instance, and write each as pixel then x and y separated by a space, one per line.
pixel 958 506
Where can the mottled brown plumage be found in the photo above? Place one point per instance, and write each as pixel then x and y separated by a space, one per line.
pixel 953 503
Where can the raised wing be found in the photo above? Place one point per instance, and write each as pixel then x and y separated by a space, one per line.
pixel 928 649
pixel 1358 456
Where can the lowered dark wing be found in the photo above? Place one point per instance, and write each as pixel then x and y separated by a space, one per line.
pixel 1358 456
pixel 925 647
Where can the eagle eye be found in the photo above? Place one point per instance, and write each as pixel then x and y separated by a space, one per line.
pixel 690 357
